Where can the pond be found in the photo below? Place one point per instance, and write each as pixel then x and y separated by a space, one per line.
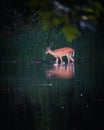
pixel 39 96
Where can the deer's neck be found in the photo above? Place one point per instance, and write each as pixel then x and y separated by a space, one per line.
pixel 52 53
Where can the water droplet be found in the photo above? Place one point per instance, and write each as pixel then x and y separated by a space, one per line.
pixel 62 107
pixel 50 84
pixel 81 94
pixel 87 105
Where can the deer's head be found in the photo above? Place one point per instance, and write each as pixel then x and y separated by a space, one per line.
pixel 47 50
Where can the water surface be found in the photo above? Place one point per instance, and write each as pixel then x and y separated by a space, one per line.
pixel 44 97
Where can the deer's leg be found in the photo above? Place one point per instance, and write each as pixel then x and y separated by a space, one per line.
pixel 72 59
pixel 56 64
pixel 62 62
pixel 56 60
pixel 68 58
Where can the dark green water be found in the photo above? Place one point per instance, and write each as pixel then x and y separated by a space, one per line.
pixel 42 97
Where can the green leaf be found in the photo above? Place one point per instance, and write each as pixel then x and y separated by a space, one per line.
pixel 88 10
pixel 70 32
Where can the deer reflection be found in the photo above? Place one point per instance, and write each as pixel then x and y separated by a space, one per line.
pixel 60 71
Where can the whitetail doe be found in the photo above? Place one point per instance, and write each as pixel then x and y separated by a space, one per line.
pixel 61 52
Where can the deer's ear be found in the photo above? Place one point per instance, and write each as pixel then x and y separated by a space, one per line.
pixel 49 47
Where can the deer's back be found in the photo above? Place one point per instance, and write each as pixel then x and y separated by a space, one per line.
pixel 63 51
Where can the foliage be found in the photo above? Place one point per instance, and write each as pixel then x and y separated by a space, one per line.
pixel 73 14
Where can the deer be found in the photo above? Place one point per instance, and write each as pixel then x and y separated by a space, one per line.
pixel 61 52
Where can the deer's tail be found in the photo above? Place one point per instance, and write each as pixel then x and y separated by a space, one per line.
pixel 73 53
